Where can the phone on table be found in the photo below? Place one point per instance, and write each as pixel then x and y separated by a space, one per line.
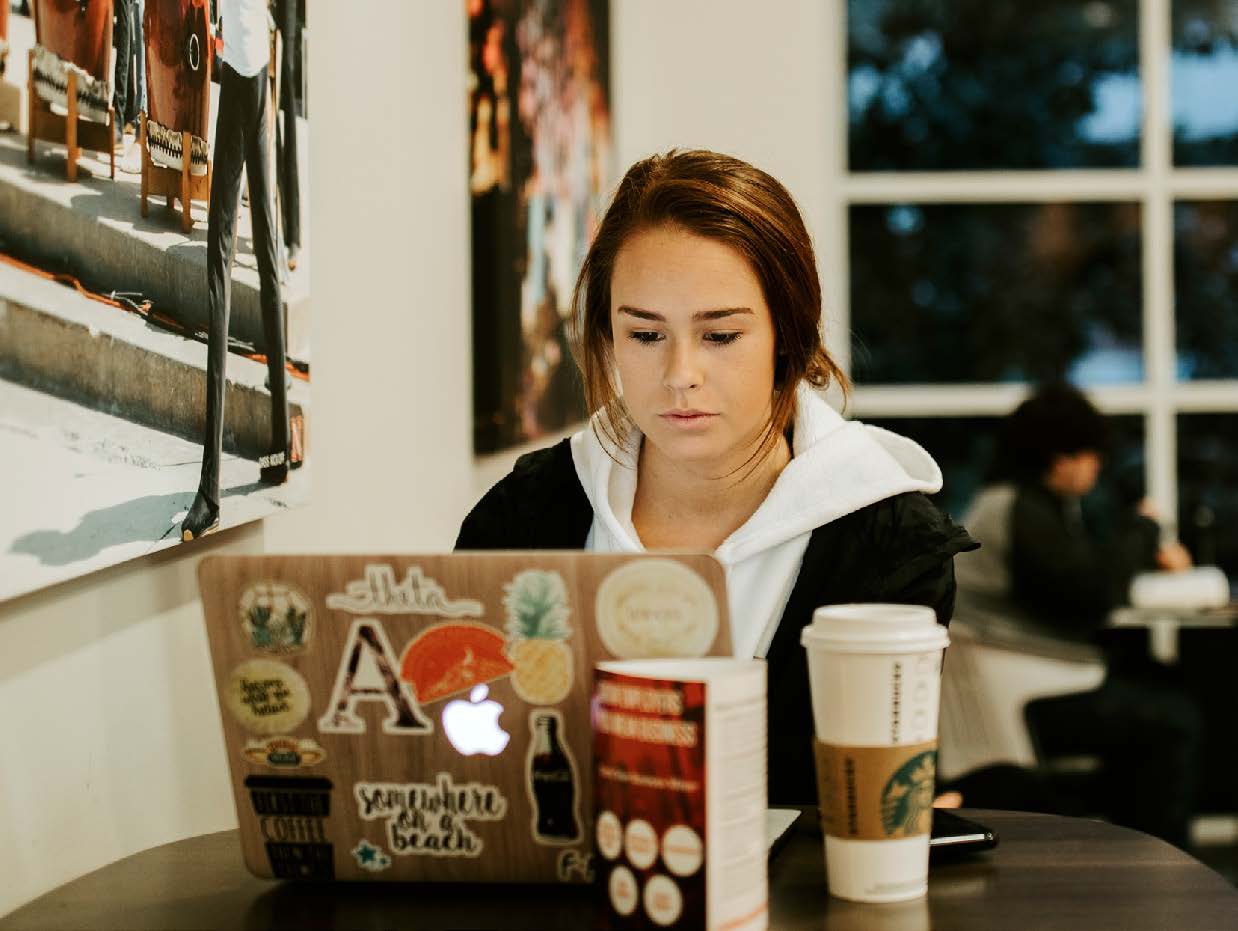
pixel 952 833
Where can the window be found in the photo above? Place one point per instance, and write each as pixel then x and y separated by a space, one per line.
pixel 1023 191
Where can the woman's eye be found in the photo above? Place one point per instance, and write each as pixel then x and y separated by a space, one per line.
pixel 721 339
pixel 646 336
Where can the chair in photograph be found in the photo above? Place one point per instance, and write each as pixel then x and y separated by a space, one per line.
pixel 176 157
pixel 69 99
pixel 993 668
pixel 10 94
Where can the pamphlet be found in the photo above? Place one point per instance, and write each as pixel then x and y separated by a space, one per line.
pixel 680 793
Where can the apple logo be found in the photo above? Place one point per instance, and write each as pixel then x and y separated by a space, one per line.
pixel 473 726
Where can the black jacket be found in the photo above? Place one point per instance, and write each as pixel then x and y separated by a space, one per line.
pixel 898 550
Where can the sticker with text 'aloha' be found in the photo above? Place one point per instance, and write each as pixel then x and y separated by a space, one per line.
pixel 416 593
pixel 267 697
pixel 429 818
pixel 277 617
pixel 284 752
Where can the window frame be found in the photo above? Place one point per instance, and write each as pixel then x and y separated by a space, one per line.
pixel 1156 185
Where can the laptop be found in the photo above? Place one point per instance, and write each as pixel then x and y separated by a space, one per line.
pixel 427 717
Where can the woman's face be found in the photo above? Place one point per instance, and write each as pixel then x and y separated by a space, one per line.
pixel 694 345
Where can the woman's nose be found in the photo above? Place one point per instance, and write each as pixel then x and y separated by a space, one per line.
pixel 683 370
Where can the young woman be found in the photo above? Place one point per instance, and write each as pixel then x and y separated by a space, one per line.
pixel 697 322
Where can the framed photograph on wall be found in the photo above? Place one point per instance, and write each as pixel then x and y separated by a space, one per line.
pixel 154 378
pixel 539 172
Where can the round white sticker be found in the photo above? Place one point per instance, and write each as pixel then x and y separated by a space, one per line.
pixel 663 900
pixel 682 850
pixel 656 607
pixel 610 835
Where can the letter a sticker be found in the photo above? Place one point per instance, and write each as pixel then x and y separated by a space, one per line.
pixel 367 673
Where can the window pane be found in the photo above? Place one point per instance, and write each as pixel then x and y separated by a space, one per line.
pixel 1208 488
pixel 964 448
pixel 1205 61
pixel 1206 289
pixel 940 85
pixel 951 293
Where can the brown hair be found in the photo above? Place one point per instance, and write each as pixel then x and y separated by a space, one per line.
pixel 725 199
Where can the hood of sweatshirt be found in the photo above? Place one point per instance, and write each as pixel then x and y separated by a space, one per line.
pixel 837 467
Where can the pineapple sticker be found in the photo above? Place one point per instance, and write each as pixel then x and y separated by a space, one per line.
pixel 537 626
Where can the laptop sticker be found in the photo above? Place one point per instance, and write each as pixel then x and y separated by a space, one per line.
pixel 453 657
pixel 292 817
pixel 367 674
pixel 537 626
pixel 429 819
pixel 654 608
pixel 284 752
pixel 380 593
pixel 575 865
pixel 370 858
pixel 277 617
pixel 267 697
pixel 552 781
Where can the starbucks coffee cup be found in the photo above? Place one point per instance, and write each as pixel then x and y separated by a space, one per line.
pixel 875 676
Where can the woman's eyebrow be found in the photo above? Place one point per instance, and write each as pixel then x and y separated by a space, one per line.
pixel 717 314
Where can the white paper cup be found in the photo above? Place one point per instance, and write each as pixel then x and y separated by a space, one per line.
pixel 875 675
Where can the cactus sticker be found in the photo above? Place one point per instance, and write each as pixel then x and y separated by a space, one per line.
pixel 277 617
pixel 907 797
pixel 537 626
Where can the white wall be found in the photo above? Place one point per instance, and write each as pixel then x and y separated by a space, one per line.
pixel 111 737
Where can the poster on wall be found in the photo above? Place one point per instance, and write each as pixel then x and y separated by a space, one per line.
pixel 539 174
pixel 154 277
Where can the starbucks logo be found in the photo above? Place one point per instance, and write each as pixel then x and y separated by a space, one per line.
pixel 908 797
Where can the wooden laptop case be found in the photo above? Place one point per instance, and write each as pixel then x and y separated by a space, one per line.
pixel 334 674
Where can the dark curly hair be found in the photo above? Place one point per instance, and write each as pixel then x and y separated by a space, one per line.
pixel 1057 420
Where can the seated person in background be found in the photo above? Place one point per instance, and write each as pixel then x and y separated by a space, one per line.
pixel 1050 561
pixel 699 295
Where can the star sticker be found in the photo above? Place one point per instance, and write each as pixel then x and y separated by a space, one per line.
pixel 370 857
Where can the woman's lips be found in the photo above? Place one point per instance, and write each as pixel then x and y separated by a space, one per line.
pixel 687 418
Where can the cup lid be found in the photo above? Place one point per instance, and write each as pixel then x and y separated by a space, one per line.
pixel 875 628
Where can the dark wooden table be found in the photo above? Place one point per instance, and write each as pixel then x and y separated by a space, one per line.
pixel 1048 872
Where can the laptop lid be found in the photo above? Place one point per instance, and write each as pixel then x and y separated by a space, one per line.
pixel 427 717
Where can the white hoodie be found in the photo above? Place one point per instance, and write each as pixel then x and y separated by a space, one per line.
pixel 838 467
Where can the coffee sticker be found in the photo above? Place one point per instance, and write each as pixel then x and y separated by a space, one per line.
pixel 267 697
pixel 876 793
pixel 277 617
pixel 292 818
pixel 656 607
